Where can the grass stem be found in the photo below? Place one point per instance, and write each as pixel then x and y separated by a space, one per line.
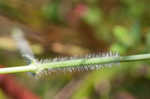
pixel 34 67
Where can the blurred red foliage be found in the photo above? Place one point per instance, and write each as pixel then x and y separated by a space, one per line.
pixel 14 89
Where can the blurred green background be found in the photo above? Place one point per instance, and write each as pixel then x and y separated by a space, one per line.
pixel 78 27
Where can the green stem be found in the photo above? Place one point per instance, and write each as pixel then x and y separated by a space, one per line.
pixel 34 67
pixel 17 69
pixel 94 61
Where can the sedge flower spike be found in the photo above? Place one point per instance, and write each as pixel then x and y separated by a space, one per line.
pixel 47 67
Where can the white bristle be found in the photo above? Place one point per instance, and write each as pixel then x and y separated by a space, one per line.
pixel 45 72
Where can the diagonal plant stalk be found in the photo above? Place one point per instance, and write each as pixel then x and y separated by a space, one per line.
pixel 90 62
pixel 75 63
